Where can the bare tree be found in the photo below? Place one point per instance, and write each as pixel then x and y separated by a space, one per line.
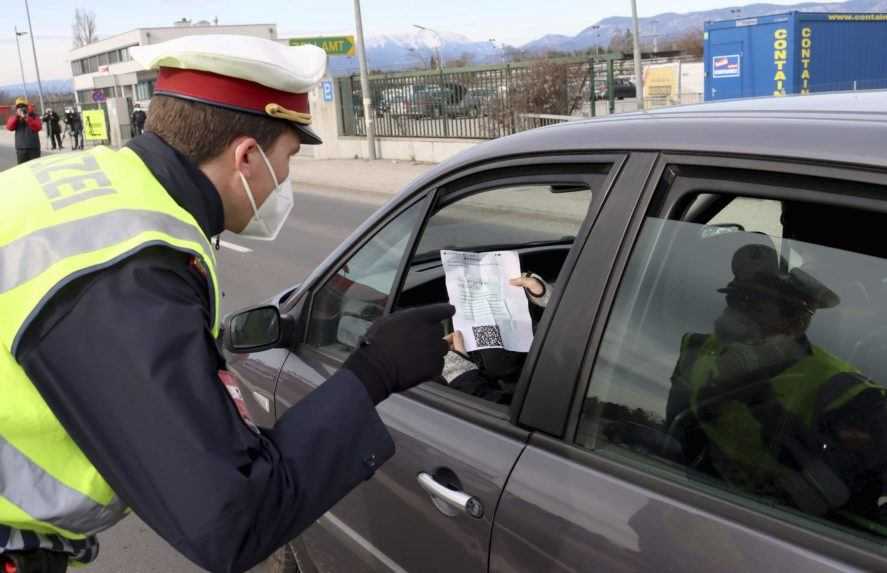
pixel 691 43
pixel 463 61
pixel 540 88
pixel 84 28
pixel 623 42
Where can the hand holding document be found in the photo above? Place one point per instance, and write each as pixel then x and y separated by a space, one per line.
pixel 490 312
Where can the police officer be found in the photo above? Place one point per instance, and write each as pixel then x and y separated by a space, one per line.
pixel 109 368
pixel 761 407
pixel 27 125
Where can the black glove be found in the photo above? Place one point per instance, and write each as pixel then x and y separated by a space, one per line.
pixel 401 350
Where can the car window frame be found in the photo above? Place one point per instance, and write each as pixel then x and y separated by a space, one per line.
pixel 367 235
pixel 542 403
pixel 664 174
pixel 777 522
pixel 542 165
pixel 537 170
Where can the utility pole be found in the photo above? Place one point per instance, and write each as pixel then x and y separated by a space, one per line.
pixel 638 69
pixel 36 65
pixel 369 120
pixel 21 65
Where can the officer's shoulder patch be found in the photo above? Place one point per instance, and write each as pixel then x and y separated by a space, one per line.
pixel 197 264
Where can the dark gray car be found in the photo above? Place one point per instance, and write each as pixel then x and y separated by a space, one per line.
pixel 649 427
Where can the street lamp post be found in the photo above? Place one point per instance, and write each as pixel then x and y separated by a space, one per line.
pixel 419 57
pixel 369 120
pixel 655 36
pixel 638 70
pixel 495 49
pixel 21 64
pixel 36 65
pixel 440 63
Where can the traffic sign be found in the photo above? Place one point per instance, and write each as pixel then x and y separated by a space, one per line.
pixel 332 45
pixel 95 128
pixel 327 90
pixel 98 96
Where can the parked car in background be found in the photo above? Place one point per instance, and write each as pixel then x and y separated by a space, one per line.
pixel 622 88
pixel 433 99
pixel 397 100
pixel 420 100
pixel 705 390
pixel 476 102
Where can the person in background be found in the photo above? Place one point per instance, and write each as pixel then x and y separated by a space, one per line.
pixel 138 120
pixel 27 125
pixel 74 123
pixel 53 128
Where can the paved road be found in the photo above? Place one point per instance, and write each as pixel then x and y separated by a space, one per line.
pixel 7 156
pixel 319 222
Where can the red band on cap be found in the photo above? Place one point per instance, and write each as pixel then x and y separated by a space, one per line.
pixel 226 91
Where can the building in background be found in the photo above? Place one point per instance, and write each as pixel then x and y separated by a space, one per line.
pixel 104 70
pixel 795 53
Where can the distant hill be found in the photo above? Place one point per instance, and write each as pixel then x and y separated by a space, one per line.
pixel 49 86
pixel 672 25
pixel 393 53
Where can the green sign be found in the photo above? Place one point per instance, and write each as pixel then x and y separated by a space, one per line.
pixel 332 45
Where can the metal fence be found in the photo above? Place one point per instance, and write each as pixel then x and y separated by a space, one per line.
pixel 485 102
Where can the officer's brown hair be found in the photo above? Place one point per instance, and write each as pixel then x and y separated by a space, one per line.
pixel 201 132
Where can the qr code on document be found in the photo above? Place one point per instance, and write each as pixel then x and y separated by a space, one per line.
pixel 487 336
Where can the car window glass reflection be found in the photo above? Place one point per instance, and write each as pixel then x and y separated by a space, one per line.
pixel 346 306
pixel 754 361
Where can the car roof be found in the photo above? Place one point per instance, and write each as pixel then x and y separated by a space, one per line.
pixel 847 127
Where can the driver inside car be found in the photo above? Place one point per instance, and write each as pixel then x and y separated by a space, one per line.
pixel 492 373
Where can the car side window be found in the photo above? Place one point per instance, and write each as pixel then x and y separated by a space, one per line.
pixel 747 350
pixel 537 221
pixel 356 295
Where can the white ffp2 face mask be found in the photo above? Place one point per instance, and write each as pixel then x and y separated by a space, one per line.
pixel 268 220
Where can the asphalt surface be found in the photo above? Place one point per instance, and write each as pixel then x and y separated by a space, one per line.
pixel 321 219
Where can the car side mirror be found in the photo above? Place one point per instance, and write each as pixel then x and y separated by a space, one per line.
pixel 256 329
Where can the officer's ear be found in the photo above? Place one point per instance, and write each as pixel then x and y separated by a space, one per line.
pixel 245 156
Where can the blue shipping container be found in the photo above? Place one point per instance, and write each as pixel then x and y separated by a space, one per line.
pixel 795 53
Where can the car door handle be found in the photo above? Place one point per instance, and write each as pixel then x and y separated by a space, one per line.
pixel 447 500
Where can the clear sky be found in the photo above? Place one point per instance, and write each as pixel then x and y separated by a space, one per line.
pixel 510 21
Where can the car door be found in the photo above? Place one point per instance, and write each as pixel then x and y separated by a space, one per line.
pixel 611 478
pixel 431 507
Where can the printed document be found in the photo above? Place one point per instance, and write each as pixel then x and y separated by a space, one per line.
pixel 490 312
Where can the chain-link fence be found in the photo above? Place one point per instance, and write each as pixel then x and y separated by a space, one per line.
pixel 487 102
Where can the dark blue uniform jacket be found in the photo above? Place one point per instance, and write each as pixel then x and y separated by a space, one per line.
pixel 126 360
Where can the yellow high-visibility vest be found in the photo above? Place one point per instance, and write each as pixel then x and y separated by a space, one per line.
pixel 62 217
